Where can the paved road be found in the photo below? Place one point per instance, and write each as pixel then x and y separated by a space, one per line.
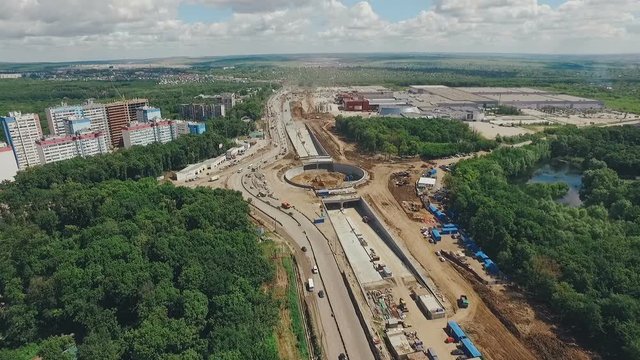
pixel 341 330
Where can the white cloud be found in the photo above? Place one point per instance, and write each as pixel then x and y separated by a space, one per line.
pixel 36 30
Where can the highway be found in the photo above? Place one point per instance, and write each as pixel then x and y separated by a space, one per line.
pixel 341 331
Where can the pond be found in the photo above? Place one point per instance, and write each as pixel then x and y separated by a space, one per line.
pixel 547 174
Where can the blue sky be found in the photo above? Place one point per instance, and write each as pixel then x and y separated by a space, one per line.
pixel 193 13
pixel 391 10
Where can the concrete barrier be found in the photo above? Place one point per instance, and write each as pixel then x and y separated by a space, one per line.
pixel 358 175
pixel 319 148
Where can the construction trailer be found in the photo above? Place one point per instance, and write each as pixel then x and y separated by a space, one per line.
pixel 449 230
pixel 469 349
pixel 430 307
pixel 455 331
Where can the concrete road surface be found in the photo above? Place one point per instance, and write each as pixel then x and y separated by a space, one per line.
pixel 341 331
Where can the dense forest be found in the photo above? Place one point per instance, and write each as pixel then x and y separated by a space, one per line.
pixel 582 262
pixel 99 261
pixel 132 270
pixel 429 138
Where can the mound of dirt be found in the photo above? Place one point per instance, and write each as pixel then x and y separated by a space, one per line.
pixel 320 179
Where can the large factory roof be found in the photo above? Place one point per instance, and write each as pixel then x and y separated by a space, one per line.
pixel 454 94
pixel 500 90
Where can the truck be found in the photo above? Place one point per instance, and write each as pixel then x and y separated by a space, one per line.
pixel 463 302
pixel 285 205
pixel 310 285
pixel 214 178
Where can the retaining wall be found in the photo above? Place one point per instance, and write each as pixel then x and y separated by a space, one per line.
pixel 359 174
pixel 364 209
pixel 319 148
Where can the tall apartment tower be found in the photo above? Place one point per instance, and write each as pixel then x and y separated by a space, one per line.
pixel 22 131
pixel 120 114
pixel 57 115
pixel 97 113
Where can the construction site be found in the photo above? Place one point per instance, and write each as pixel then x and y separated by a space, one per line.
pixel 495 316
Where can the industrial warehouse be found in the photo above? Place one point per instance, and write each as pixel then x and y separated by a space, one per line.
pixel 463 103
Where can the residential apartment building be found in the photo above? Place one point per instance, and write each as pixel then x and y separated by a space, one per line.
pixel 57 115
pixel 227 99
pixel 21 132
pixel 8 164
pixel 58 148
pixel 95 112
pixel 120 114
pixel 147 113
pixel 146 133
pixel 75 125
pixel 201 112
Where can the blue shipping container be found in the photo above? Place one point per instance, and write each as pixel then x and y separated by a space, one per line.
pixel 491 266
pixel 449 225
pixel 455 331
pixel 318 220
pixel 470 349
pixel 481 256
pixel 449 231
pixel 436 234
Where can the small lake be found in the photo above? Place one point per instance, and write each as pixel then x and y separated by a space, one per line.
pixel 547 174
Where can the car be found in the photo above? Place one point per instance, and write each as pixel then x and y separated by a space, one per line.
pixel 457 352
pixel 314 269
pixel 441 259
pixel 304 249
pixel 321 293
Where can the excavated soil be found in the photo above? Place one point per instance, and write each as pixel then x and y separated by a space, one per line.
pixel 320 179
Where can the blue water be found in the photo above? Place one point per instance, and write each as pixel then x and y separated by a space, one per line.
pixel 547 175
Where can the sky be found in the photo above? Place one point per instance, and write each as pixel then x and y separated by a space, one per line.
pixel 71 30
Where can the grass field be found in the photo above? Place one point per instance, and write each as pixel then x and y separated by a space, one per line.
pixel 297 320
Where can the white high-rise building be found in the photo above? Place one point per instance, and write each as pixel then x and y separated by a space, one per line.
pixel 58 148
pixel 22 131
pixel 97 113
pixel 161 131
pixel 8 164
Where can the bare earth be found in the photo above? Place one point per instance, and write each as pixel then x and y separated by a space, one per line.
pixel 501 322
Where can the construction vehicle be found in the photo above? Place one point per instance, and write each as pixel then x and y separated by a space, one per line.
pixel 285 205
pixel 463 302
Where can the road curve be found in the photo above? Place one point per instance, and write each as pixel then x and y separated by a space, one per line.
pixel 341 330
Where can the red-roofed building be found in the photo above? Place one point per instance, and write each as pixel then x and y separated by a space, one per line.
pixel 143 134
pixel 59 148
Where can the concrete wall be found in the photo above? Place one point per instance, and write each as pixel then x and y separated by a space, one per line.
pixel 292 173
pixel 359 174
pixel 319 148
pixel 402 253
